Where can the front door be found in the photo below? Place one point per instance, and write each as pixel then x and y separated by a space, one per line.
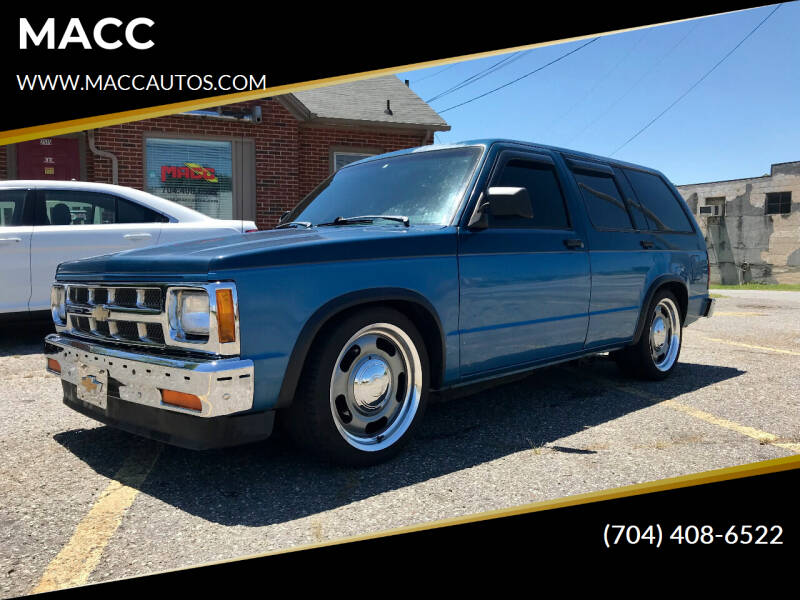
pixel 524 282
pixel 73 224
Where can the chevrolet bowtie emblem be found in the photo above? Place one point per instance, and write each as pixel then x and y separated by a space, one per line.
pixel 100 313
pixel 91 383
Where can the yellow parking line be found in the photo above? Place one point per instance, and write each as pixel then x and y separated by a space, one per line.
pixel 743 345
pixel 726 313
pixel 76 561
pixel 763 437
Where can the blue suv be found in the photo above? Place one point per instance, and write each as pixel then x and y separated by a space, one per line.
pixel 402 274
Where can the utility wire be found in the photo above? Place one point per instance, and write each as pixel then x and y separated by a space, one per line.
pixel 513 81
pixel 504 62
pixel 696 83
pixel 600 80
pixel 435 73
pixel 635 84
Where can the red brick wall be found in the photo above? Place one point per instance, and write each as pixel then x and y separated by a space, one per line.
pixel 316 143
pixel 291 159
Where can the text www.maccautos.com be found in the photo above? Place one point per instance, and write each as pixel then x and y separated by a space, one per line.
pixel 140 82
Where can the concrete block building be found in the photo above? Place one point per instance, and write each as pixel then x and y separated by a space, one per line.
pixel 752 225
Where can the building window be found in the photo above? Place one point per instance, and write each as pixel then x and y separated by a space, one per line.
pixel 195 173
pixel 341 159
pixel 778 203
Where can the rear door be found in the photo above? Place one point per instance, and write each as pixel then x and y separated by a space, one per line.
pixel 621 254
pixel 15 247
pixel 524 283
pixel 73 224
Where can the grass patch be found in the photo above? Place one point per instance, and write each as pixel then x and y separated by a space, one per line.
pixel 781 287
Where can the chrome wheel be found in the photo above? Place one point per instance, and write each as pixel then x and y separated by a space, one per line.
pixel 665 334
pixel 375 387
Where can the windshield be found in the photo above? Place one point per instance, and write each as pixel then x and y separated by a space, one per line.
pixel 424 186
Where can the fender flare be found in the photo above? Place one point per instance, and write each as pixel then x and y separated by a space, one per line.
pixel 341 303
pixel 657 283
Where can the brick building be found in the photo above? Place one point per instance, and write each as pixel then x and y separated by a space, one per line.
pixel 752 225
pixel 252 160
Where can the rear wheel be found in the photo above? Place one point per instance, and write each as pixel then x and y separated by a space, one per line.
pixel 656 353
pixel 363 390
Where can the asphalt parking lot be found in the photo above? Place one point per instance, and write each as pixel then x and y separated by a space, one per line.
pixel 81 502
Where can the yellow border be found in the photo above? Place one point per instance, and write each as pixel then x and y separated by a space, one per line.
pixel 775 465
pixel 12 136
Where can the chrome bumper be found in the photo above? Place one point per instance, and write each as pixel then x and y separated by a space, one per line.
pixel 224 386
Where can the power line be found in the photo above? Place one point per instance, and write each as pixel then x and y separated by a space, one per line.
pixel 513 81
pixel 696 83
pixel 600 80
pixel 635 84
pixel 504 62
pixel 434 74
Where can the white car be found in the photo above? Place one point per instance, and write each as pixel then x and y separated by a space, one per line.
pixel 44 223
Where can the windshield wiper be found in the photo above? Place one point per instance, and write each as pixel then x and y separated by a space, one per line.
pixel 365 219
pixel 305 224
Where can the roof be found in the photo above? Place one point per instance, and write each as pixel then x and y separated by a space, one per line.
pixel 533 145
pixel 365 102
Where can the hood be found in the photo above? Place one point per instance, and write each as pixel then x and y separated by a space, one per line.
pixel 214 257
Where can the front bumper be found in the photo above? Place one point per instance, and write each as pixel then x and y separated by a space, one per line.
pixel 123 389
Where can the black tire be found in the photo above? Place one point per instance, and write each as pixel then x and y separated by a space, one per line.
pixel 640 360
pixel 393 350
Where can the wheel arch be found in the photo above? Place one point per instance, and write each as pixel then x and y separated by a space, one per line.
pixel 672 283
pixel 412 304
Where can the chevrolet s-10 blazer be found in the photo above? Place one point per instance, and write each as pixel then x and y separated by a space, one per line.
pixel 402 274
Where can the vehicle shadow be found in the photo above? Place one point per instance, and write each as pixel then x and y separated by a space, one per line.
pixel 24 337
pixel 270 482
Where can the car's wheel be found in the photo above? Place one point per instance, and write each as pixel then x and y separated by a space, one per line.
pixel 656 353
pixel 363 390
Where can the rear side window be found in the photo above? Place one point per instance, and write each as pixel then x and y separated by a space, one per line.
pixel 659 204
pixel 11 206
pixel 130 212
pixel 546 197
pixel 603 201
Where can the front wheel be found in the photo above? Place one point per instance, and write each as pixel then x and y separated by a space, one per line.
pixel 656 353
pixel 363 390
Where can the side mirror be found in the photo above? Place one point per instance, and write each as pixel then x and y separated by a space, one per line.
pixel 283 216
pixel 501 202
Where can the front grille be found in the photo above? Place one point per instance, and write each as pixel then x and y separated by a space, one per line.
pixel 125 297
pixel 155 333
pixel 137 313
pixel 127 330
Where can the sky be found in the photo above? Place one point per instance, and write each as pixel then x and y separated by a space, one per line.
pixel 743 117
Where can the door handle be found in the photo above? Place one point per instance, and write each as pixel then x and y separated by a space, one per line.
pixel 572 244
pixel 646 244
pixel 137 236
pixel 10 239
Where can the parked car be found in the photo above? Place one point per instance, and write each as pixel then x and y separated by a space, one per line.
pixel 426 269
pixel 43 223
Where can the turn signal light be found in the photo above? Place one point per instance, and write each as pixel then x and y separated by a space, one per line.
pixel 226 321
pixel 53 365
pixel 180 399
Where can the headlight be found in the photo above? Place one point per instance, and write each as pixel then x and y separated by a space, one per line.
pixel 192 314
pixel 58 308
